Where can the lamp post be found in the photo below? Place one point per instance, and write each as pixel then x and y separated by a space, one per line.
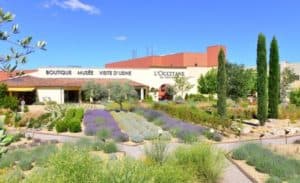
pixel 261 136
pixel 286 132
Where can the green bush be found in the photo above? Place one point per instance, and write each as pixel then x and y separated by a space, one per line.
pixel 268 162
pixel 9 102
pixel 74 125
pixel 197 98
pixel 156 152
pixel 110 147
pixel 61 126
pixel 12 176
pixel 25 164
pixel 274 180
pixel 202 160
pixel 295 97
pixel 192 114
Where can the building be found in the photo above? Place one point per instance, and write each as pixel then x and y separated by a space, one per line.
pixel 208 59
pixel 63 84
pixel 295 67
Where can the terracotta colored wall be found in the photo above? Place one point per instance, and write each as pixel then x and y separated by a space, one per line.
pixel 195 59
pixel 212 55
pixel 208 59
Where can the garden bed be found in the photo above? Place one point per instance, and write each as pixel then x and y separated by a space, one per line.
pixel 278 167
pixel 138 128
pixel 99 119
pixel 185 131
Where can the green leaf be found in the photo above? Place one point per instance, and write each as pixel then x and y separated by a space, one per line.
pixel 4 35
pixel 41 44
pixel 26 41
pixel 23 60
pixel 8 17
pixel 15 28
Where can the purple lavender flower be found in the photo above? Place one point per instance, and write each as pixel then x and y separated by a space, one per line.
pixel 95 120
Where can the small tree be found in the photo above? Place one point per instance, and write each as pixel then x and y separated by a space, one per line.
pixel 287 77
pixel 241 81
pixel 207 84
pixel 9 62
pixel 93 91
pixel 3 90
pixel 182 85
pixel 262 95
pixel 274 79
pixel 121 92
pixel 221 84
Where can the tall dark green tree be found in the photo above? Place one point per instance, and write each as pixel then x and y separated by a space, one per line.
pixel 221 84
pixel 274 79
pixel 262 94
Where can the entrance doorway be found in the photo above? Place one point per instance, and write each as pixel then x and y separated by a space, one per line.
pixel 71 96
pixel 29 97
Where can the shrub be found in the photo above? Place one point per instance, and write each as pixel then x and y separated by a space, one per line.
pixel 274 180
pixel 168 173
pixel 61 126
pixel 137 139
pixel 268 162
pixel 122 137
pixel 74 125
pixel 9 102
pixel 73 165
pixel 156 152
pixel 12 176
pixel 187 137
pixel 26 164
pixel 295 97
pixel 197 98
pixel 110 147
pixel 26 109
pixel 103 134
pixel 202 160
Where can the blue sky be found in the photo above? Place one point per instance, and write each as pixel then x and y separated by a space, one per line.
pixel 92 33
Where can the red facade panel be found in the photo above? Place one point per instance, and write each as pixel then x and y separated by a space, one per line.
pixel 208 59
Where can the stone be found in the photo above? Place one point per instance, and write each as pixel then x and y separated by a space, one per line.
pixel 246 129
pixel 253 122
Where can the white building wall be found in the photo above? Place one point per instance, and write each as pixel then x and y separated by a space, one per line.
pixel 152 77
pixel 53 94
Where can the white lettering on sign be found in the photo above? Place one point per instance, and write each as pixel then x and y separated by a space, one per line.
pixel 88 73
pixel 167 74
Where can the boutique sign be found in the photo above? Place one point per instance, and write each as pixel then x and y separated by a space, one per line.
pixel 88 72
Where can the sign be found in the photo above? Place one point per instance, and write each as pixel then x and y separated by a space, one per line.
pixel 167 74
pixel 88 72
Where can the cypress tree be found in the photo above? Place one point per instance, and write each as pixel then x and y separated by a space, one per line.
pixel 221 84
pixel 261 62
pixel 274 79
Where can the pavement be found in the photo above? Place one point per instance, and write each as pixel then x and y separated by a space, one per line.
pixel 232 173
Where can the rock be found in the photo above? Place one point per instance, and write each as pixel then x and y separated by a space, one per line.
pixel 253 122
pixel 246 129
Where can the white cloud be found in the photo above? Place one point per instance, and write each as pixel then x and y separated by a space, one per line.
pixel 73 5
pixel 120 38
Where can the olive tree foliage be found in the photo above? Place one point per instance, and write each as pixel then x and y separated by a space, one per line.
pixel 287 77
pixel 93 91
pixel 121 92
pixel 241 81
pixel 20 48
pixel 207 84
pixel 182 85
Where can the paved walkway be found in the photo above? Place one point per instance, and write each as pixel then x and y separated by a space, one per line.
pixel 231 175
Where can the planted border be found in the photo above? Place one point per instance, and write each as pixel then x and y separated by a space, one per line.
pixel 96 120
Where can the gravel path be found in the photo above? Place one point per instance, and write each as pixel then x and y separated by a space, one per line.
pixel 231 175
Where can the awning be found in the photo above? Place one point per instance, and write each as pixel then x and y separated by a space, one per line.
pixel 20 89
